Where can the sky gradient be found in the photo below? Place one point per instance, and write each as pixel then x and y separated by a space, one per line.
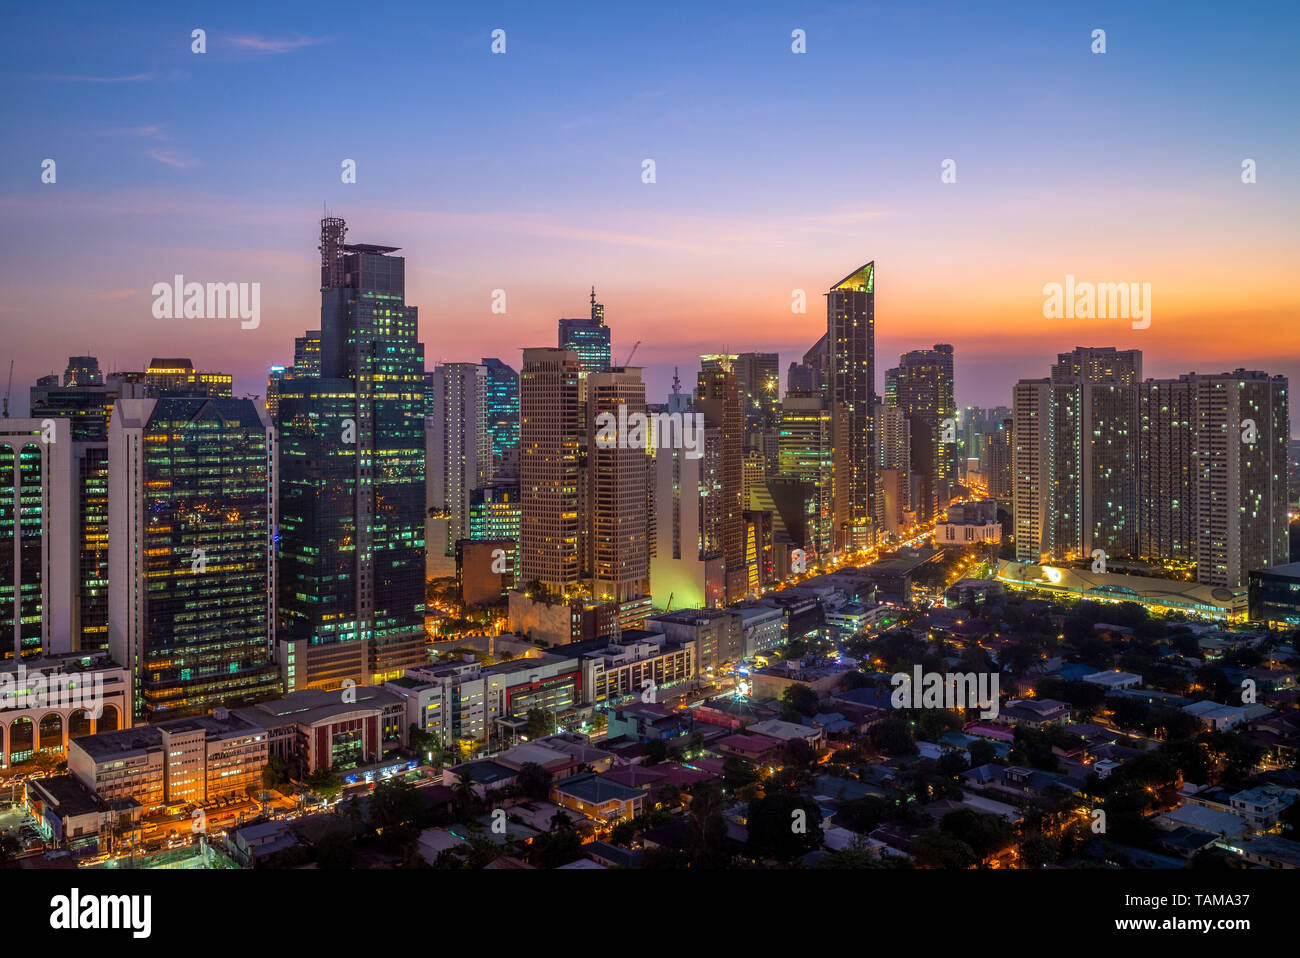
pixel 775 172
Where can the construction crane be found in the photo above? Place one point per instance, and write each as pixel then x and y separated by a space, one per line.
pixel 9 388
pixel 628 362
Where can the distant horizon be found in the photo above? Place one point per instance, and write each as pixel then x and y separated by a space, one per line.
pixel 774 172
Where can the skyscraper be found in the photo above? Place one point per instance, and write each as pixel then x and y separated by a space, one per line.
pixel 352 576
pixel 922 388
pixel 1243 430
pixel 38 541
pixel 87 403
pixel 717 396
pixel 503 416
pixel 894 460
pixel 550 429
pixel 459 456
pixel 618 557
pixel 805 452
pixel 1167 473
pixel 588 338
pixel 191 512
pixel 851 341
pixel 1075 450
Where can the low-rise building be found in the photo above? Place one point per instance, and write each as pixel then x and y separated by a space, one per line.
pixel 599 799
pixel 327 729
pixel 186 760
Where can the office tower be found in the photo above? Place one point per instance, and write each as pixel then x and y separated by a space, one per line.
pixel 494 511
pixel 687 567
pixel 717 396
pixel 588 338
pixel 922 388
pixel 191 525
pixel 306 354
pixel 851 339
pixel 503 417
pixel 83 371
pixel 459 457
pixel 178 377
pixel 550 430
pixel 352 502
pixel 1167 505
pixel 758 380
pixel 274 377
pixel 894 461
pixel 618 558
pixel 805 452
pixel 38 537
pixel 1075 448
pixel 808 376
pixel 87 405
pixel 1243 430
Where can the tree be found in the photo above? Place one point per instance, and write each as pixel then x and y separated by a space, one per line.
pixel 533 781
pixel 324 783
pixel 656 751
pixel 1038 850
pixel 783 825
pixel 274 773
pixel 985 834
pixel 737 773
pixel 982 752
pixel 935 849
pixel 335 851
pixel 708 842
pixel 395 804
pixel 893 736
pixel 10 848
pixel 800 700
pixel 540 723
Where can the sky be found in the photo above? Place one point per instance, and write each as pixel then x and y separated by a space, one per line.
pixel 775 171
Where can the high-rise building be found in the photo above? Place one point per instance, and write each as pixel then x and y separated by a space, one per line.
pixel 191 523
pixel 618 558
pixel 808 377
pixel 1075 451
pixel 997 458
pixel 588 338
pixel 687 568
pixel 458 456
pixel 922 388
pixel 805 452
pixel 1242 434
pixel 494 511
pixel 851 341
pixel 550 430
pixel 352 503
pixel 87 404
pixel 894 460
pixel 178 377
pixel 503 417
pixel 717 396
pixel 1167 473
pixel 38 537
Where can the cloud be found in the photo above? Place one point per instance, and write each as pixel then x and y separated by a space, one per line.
pixel 260 44
pixel 154 131
pixel 77 78
pixel 172 158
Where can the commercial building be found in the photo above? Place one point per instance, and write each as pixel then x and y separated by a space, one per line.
pixel 851 377
pixel 1275 596
pixel 191 526
pixel 587 339
pixel 187 760
pixel 969 523
pixel 52 699
pixel 717 397
pixel 313 729
pixel 458 456
pixel 550 433
pixel 1159 595
pixel 717 634
pixel 352 493
pixel 39 541
pixel 503 416
pixel 923 392
pixel 805 451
